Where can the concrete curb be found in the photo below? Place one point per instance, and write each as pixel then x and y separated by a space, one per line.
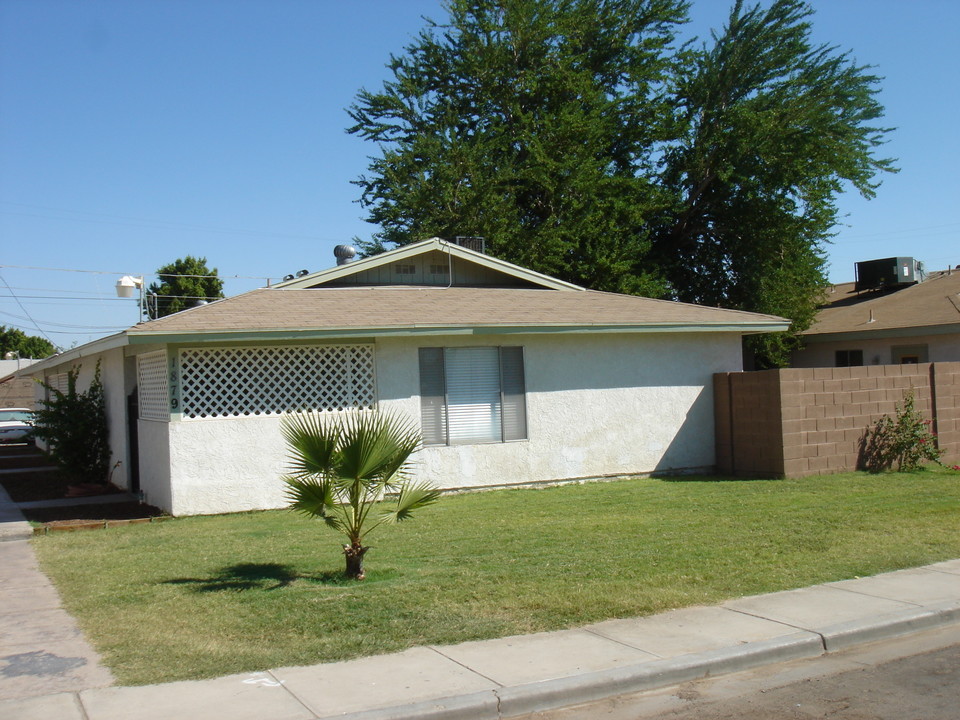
pixel 846 635
pixel 508 702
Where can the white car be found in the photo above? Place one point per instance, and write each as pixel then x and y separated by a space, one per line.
pixel 15 424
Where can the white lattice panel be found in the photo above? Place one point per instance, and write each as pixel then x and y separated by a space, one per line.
pixel 241 381
pixel 152 386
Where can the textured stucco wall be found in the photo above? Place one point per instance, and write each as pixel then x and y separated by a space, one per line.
pixel 597 405
pixel 940 348
pixel 155 466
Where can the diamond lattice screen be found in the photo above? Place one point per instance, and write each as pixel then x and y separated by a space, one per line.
pixel 152 387
pixel 241 381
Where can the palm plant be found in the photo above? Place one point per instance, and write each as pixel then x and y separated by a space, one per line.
pixel 342 469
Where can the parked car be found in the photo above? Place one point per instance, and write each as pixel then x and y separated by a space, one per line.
pixel 16 425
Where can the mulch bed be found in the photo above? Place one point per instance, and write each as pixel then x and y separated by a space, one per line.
pixel 53 484
pixel 93 514
pixel 49 484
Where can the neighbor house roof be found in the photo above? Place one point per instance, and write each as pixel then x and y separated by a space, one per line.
pixel 930 307
pixel 345 312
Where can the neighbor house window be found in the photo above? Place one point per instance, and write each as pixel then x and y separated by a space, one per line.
pixel 472 395
pixel 849 358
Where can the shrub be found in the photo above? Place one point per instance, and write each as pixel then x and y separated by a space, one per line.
pixel 906 440
pixel 75 426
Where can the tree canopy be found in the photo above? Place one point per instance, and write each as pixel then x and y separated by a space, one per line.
pixel 27 346
pixel 183 283
pixel 581 140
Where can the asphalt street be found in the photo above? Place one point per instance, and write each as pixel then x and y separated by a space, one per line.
pixel 911 678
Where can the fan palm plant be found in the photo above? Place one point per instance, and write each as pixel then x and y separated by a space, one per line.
pixel 342 469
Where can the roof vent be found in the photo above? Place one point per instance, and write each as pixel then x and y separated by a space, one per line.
pixel 895 272
pixel 301 273
pixel 287 278
pixel 344 254
pixel 477 244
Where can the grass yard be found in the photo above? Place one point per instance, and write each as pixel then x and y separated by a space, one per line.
pixel 207 596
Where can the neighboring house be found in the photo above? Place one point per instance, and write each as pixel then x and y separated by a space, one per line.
pixel 514 377
pixel 915 323
pixel 16 385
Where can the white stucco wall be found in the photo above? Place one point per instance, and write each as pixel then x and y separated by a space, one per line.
pixel 597 405
pixel 155 467
pixel 877 351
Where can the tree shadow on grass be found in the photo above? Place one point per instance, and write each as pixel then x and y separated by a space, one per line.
pixel 258 576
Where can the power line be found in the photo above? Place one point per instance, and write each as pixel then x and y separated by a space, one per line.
pixel 64 325
pixel 105 219
pixel 26 312
pixel 135 274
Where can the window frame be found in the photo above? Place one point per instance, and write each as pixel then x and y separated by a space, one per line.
pixel 439 428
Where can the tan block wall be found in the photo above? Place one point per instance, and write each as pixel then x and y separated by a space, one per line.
pixel 796 422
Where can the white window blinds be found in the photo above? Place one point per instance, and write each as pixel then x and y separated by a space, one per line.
pixel 472 395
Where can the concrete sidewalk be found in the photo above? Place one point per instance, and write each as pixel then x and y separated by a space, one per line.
pixel 518 675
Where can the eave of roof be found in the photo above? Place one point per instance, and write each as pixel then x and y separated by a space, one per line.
pixel 109 342
pixel 407 251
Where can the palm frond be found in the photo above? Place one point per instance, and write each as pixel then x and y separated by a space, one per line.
pixel 412 497
pixel 314 497
pixel 312 443
pixel 375 446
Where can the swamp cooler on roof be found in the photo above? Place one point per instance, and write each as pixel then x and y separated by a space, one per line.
pixel 885 273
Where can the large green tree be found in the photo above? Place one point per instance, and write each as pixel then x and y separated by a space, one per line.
pixel 772 130
pixel 526 122
pixel 582 142
pixel 183 283
pixel 26 346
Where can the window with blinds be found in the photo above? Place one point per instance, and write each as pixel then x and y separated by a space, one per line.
pixel 472 395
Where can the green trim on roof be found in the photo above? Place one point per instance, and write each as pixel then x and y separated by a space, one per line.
pixel 431 330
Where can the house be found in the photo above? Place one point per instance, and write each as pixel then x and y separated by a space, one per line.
pixel 16 386
pixel 915 322
pixel 515 377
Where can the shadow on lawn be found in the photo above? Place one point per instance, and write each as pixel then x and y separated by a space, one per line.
pixel 257 576
pixel 712 478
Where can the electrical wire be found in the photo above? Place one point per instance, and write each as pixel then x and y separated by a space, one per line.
pixel 26 312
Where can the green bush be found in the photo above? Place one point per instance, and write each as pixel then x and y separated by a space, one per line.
pixel 74 424
pixel 906 440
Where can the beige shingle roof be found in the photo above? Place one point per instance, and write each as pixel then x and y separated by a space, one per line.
pixel 935 302
pixel 416 308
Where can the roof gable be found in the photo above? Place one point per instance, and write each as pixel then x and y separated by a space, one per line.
pixel 433 262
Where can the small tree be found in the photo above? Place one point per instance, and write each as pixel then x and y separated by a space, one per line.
pixel 27 346
pixel 183 283
pixel 906 441
pixel 342 468
pixel 75 425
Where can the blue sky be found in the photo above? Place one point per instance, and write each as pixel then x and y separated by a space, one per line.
pixel 134 133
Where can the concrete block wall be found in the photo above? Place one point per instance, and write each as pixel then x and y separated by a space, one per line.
pixel 795 422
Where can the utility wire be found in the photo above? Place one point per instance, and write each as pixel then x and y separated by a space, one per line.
pixel 26 312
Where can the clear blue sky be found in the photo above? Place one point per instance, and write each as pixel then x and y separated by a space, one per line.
pixel 133 133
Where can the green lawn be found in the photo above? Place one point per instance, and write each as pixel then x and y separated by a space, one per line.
pixel 206 596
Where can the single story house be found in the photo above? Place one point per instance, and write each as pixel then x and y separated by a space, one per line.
pixel 515 377
pixel 891 325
